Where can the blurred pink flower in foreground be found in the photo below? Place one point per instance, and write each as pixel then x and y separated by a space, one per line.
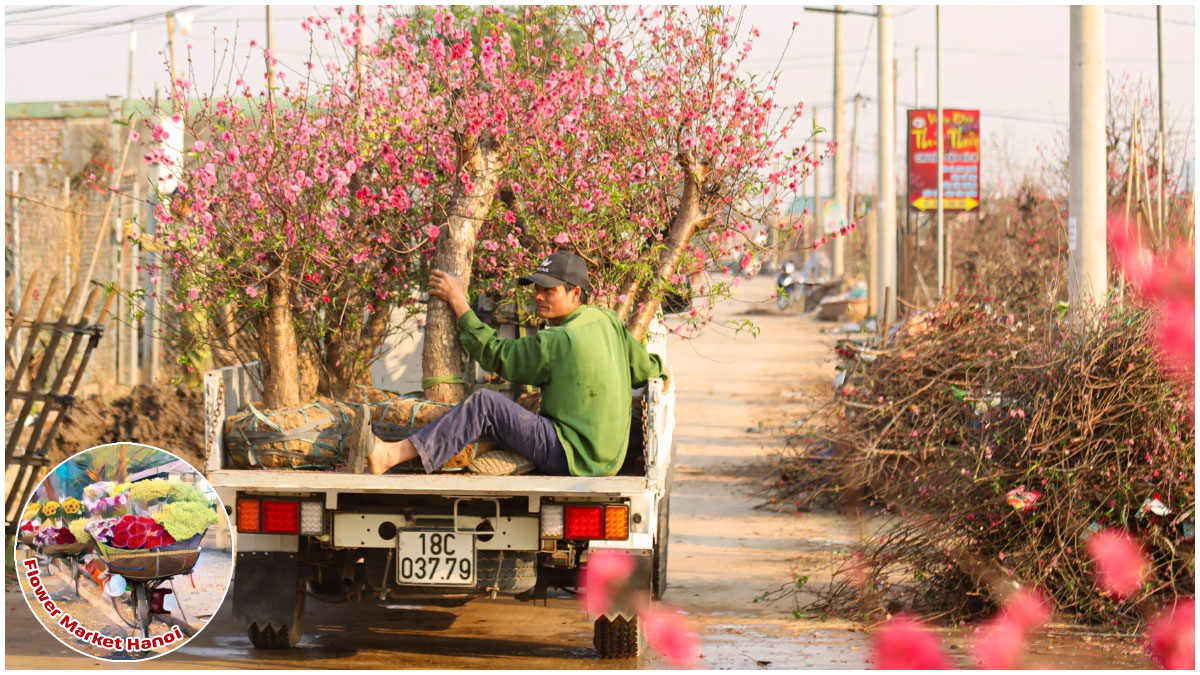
pixel 1171 637
pixel 671 635
pixel 1001 641
pixel 1120 564
pixel 603 571
pixel 999 644
pixel 667 631
pixel 1028 609
pixel 903 644
pixel 1168 281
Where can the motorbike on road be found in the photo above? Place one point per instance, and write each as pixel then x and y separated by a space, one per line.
pixel 789 288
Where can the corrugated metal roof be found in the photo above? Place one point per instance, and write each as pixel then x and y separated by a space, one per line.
pixel 70 109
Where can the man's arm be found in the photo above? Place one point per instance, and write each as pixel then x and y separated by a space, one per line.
pixel 642 364
pixel 524 360
pixel 451 289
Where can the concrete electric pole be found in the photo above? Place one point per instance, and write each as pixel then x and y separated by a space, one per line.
pixel 171 55
pixel 1162 125
pixel 271 50
pixel 916 77
pixel 818 218
pixel 1086 219
pixel 886 191
pixel 839 156
pixel 941 165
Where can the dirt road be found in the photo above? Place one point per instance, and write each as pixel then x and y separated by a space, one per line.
pixel 723 552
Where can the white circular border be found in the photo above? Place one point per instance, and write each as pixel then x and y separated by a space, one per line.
pixel 228 582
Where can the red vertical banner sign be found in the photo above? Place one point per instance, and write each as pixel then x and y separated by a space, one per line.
pixel 961 159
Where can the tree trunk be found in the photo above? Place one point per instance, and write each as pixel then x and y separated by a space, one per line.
pixel 281 372
pixel 442 355
pixel 349 354
pixel 308 364
pixel 630 288
pixel 687 219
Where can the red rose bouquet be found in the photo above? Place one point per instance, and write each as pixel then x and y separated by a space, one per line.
pixel 133 533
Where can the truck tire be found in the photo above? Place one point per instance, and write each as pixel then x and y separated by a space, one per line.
pixel 618 638
pixel 658 582
pixel 286 636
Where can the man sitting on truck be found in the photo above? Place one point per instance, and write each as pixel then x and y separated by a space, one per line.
pixel 585 361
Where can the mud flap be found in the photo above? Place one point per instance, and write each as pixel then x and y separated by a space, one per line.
pixel 266 589
pixel 625 601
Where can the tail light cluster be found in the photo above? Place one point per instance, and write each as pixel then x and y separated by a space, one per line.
pixel 279 516
pixel 585 521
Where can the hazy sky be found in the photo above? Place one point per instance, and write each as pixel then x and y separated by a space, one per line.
pixel 1009 61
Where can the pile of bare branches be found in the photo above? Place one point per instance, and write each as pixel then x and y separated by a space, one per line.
pixel 993 436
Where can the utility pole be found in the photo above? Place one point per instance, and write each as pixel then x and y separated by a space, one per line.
pixel 171 54
pixel 1085 224
pixel 941 165
pixel 270 51
pixel 15 224
pixel 839 156
pixel 1162 124
pixel 132 50
pixel 852 195
pixel 885 289
pixel 818 213
pixel 916 77
pixel 361 11
pixel 155 334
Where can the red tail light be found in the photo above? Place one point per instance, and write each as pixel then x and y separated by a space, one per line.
pixel 280 517
pixel 583 522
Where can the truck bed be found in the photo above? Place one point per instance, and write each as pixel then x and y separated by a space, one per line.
pixel 227 390
pixel 442 484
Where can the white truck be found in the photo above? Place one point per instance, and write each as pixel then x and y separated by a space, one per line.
pixel 443 538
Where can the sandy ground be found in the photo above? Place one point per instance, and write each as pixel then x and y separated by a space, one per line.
pixel 724 552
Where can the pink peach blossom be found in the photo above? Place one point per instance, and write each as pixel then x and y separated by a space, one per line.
pixel 1120 566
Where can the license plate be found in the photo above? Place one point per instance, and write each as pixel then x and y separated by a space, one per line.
pixel 436 558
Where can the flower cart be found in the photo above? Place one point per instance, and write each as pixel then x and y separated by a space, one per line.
pixel 144 550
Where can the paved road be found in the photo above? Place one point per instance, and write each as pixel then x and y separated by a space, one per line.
pixel 724 552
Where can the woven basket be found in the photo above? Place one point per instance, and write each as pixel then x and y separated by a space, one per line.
pixel 66 549
pixel 145 565
pixel 308 437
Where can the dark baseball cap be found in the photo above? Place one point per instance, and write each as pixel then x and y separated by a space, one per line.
pixel 561 267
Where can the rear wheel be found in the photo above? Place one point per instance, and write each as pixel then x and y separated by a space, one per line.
pixel 141 607
pixel 658 579
pixel 658 582
pixel 285 636
pixel 618 638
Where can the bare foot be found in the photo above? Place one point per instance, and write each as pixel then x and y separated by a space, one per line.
pixel 386 455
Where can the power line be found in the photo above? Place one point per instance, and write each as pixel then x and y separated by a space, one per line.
pixel 863 61
pixel 80 31
pixel 38 20
pixel 1181 22
pixel 246 19
pixel 34 9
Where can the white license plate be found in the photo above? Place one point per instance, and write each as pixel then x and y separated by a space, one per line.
pixel 436 558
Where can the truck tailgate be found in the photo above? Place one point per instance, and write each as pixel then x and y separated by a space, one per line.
pixel 448 485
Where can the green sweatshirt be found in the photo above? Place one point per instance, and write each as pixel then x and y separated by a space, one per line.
pixel 586 367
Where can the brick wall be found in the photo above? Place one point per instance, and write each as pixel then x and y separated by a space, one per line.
pixel 33 141
pixel 52 241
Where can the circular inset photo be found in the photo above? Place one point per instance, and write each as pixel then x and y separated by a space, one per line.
pixel 124 552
